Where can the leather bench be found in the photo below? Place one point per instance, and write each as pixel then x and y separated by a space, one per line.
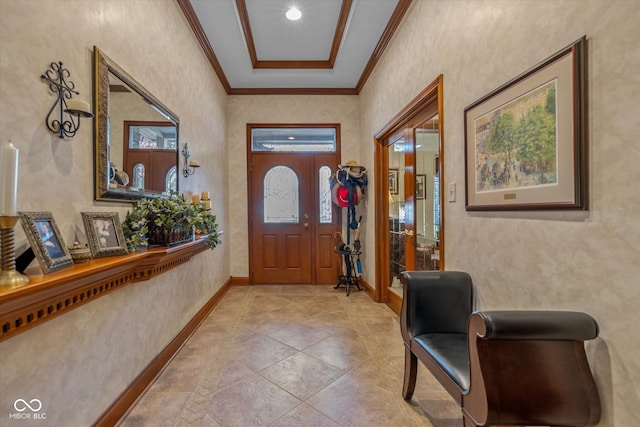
pixel 502 367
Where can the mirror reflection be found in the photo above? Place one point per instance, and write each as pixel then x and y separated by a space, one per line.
pixel 427 195
pixel 414 211
pixel 136 137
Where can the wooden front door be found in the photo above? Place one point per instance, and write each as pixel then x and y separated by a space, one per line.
pixel 291 231
pixel 150 155
pixel 157 165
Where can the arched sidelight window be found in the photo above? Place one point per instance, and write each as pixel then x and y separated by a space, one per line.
pixel 281 196
pixel 171 180
pixel 138 175
pixel 324 194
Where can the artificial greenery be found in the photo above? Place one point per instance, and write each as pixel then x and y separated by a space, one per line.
pixel 168 213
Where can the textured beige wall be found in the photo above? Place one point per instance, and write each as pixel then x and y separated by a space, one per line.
pixel 277 109
pixel 79 363
pixel 537 260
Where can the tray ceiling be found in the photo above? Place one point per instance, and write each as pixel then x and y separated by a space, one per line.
pixel 332 48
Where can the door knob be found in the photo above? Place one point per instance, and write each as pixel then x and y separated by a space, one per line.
pixel 306 225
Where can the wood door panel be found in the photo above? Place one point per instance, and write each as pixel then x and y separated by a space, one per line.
pixel 161 162
pixel 326 264
pixel 293 248
pixel 269 250
pixel 132 158
pixel 301 251
pixel 281 250
pixel 156 164
pixel 327 251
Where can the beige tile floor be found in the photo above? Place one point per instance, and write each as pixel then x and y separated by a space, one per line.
pixel 293 356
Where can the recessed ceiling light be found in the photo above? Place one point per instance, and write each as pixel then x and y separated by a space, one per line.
pixel 293 14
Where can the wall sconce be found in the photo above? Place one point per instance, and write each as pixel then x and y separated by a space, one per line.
pixel 189 165
pixel 75 108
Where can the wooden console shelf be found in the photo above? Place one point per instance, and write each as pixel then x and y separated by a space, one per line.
pixel 50 295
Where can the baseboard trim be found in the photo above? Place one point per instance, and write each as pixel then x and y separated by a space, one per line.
pixel 239 281
pixel 121 406
pixel 371 292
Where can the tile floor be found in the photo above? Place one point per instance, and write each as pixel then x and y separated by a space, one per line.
pixel 293 356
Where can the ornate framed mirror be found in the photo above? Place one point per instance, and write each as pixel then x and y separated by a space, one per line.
pixel 135 136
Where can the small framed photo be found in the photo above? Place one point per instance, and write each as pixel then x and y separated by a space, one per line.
pixel 46 241
pixel 104 233
pixel 421 186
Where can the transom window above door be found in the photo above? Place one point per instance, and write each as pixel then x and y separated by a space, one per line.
pixel 294 139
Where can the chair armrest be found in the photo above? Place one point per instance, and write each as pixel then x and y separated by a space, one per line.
pixel 435 302
pixel 530 368
pixel 535 325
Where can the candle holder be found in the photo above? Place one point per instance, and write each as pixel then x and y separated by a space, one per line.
pixel 8 274
pixel 206 201
pixel 189 166
pixel 64 89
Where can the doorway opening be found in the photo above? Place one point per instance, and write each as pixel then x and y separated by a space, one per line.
pixel 292 219
pixel 409 171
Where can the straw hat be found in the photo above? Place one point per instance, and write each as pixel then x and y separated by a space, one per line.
pixel 354 169
pixel 352 164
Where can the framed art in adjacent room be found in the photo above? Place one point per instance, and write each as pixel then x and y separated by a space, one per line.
pixel 526 142
pixel 104 233
pixel 46 241
pixel 393 181
pixel 421 186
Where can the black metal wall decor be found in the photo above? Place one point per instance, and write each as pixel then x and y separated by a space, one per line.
pixel 57 77
pixel 189 167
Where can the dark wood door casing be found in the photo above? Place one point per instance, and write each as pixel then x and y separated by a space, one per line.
pixel 319 252
pixel 428 103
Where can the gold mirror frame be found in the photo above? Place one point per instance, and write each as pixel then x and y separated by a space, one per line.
pixel 103 67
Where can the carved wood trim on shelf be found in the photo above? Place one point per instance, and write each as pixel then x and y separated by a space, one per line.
pixel 48 296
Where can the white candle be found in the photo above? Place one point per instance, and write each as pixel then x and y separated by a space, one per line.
pixel 8 179
pixel 76 105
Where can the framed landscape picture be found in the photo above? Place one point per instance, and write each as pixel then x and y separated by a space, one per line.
pixel 525 142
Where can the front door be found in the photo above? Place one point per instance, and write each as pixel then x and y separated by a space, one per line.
pixel 291 218
pixel 281 235
pixel 150 155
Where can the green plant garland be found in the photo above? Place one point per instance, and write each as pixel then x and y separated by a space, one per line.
pixel 168 212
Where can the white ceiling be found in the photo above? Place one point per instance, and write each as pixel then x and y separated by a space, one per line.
pixel 290 56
